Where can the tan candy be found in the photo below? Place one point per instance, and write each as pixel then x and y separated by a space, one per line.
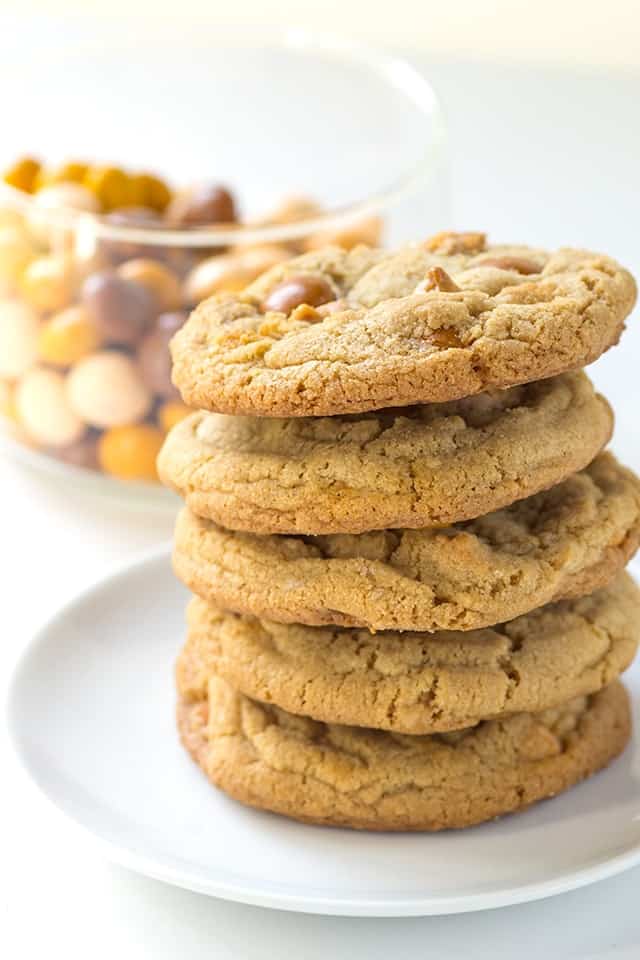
pixel 19 328
pixel 105 390
pixel 44 218
pixel 367 231
pixel 293 209
pixel 230 272
pixel 43 409
pixel 70 196
pixel 10 217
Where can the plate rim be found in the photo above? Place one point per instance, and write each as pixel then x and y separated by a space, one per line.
pixel 251 893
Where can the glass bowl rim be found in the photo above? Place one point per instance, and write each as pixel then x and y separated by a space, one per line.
pixel 397 71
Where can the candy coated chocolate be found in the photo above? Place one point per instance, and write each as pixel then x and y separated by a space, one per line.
pixel 121 309
pixel 202 205
pixel 154 360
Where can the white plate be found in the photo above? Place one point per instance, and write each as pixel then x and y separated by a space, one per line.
pixel 91 713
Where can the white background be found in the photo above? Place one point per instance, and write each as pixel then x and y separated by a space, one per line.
pixel 544 152
pixel 567 32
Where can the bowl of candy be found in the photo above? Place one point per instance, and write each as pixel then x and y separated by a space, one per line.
pixel 112 230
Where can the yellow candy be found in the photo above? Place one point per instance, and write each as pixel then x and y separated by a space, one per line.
pixel 10 217
pixel 148 190
pixel 67 337
pixel 22 174
pixel 16 250
pixel 111 186
pixel 7 401
pixel 171 413
pixel 48 283
pixel 40 180
pixel 130 452
pixel 73 172
pixel 19 327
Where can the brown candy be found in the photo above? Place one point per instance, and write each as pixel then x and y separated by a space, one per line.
pixel 154 360
pixel 158 279
pixel 121 309
pixel 202 205
pixel 310 288
pixel 82 453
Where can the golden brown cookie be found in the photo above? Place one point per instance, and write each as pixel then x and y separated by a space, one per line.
pixel 421 466
pixel 433 322
pixel 418 683
pixel 563 542
pixel 366 779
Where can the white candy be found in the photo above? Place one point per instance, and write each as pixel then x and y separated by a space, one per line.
pixel 44 213
pixel 43 409
pixel 105 390
pixel 66 195
pixel 18 338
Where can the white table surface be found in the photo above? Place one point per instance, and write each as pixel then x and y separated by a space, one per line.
pixel 540 156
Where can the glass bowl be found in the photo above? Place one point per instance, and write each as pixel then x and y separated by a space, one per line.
pixel 316 140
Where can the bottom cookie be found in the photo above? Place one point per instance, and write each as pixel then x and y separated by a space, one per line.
pixel 374 780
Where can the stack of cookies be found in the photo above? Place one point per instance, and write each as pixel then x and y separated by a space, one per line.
pixel 405 543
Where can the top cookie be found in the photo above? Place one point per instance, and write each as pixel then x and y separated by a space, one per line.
pixel 337 331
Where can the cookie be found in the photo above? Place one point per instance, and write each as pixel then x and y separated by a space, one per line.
pixel 415 683
pixel 420 466
pixel 433 322
pixel 367 779
pixel 563 542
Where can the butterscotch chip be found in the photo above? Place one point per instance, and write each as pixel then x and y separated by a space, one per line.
pixel 366 779
pixel 414 467
pixel 418 683
pixel 445 338
pixel 509 327
pixel 438 279
pixel 306 313
pixel 563 542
